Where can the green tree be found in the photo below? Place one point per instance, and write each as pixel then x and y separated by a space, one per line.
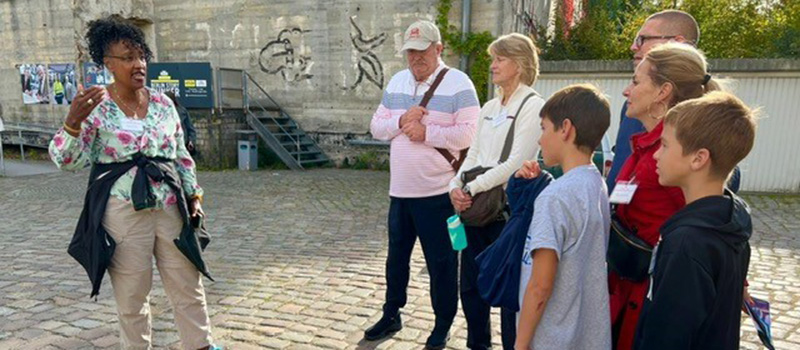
pixel 729 28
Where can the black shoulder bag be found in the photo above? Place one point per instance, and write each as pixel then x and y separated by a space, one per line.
pixel 628 255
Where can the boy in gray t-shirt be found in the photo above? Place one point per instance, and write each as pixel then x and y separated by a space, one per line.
pixel 563 282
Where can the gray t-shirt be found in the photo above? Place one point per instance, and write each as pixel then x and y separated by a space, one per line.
pixel 572 217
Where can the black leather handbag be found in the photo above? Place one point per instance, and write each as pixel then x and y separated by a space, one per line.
pixel 628 255
pixel 488 206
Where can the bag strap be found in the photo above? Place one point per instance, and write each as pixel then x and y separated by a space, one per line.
pixel 454 162
pixel 510 136
pixel 429 94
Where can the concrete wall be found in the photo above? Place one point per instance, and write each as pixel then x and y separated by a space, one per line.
pixel 326 62
pixel 49 31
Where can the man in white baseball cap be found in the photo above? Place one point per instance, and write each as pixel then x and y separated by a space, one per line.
pixel 422 45
pixel 427 138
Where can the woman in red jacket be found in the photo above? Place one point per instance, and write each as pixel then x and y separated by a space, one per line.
pixel 669 74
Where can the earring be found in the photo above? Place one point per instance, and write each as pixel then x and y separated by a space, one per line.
pixel 650 114
pixel 666 108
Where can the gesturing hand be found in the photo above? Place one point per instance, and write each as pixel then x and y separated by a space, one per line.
pixel 85 101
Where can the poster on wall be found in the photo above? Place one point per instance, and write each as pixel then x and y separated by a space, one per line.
pixel 62 82
pixel 191 82
pixel 35 89
pixel 95 75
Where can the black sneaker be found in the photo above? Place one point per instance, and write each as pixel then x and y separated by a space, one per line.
pixel 385 327
pixel 438 339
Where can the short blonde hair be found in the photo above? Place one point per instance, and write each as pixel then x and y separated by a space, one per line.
pixel 718 122
pixel 683 66
pixel 522 51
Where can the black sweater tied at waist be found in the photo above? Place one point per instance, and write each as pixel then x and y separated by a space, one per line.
pixel 93 247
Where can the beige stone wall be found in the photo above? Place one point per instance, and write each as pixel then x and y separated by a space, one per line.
pixel 319 86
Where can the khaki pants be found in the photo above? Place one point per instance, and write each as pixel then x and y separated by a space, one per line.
pixel 140 235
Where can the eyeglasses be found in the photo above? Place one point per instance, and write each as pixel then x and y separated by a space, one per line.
pixel 640 39
pixel 129 59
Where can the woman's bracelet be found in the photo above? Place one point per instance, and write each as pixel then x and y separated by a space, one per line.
pixel 199 197
pixel 70 129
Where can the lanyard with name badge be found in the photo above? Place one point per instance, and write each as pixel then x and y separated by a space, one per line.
pixel 624 191
pixel 500 118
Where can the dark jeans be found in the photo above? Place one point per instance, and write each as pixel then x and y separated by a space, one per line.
pixel 425 218
pixel 476 310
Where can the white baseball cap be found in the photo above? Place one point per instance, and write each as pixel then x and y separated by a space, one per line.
pixel 420 35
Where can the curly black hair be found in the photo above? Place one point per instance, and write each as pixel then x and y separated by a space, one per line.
pixel 104 32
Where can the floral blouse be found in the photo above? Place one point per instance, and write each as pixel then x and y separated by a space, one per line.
pixel 109 136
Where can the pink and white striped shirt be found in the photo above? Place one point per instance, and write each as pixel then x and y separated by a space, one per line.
pixel 417 169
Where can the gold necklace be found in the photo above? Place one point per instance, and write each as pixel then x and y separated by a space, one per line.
pixel 138 105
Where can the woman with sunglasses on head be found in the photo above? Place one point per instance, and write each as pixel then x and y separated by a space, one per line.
pixel 142 191
pixel 669 74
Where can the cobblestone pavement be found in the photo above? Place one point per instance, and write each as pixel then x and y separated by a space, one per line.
pixel 298 260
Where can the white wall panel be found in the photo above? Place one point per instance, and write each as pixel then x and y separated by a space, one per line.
pixel 774 163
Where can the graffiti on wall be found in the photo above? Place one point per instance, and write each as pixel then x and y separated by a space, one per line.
pixel 284 56
pixel 368 65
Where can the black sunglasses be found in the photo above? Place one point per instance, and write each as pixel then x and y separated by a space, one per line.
pixel 640 39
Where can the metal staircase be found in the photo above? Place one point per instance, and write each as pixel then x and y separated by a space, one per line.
pixel 278 130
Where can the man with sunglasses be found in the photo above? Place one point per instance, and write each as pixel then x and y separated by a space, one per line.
pixel 659 28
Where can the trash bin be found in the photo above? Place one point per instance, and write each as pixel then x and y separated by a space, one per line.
pixel 248 150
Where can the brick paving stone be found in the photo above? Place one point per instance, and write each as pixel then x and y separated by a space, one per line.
pixel 274 343
pixel 96 333
pixel 50 325
pixel 74 344
pixel 86 323
pixel 295 337
pixel 31 333
pixel 298 259
pixel 67 331
pixel 329 343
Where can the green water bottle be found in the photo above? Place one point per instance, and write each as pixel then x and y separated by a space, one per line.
pixel 458 237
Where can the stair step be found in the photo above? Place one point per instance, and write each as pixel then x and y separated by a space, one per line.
pixel 312 161
pixel 303 153
pixel 292 133
pixel 270 117
pixel 285 123
pixel 301 143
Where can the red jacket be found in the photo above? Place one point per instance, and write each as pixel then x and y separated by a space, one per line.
pixel 652 203
pixel 651 206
